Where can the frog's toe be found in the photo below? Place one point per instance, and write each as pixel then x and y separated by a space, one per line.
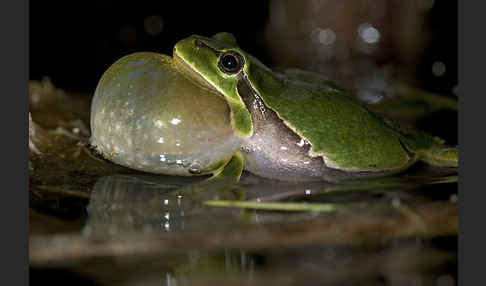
pixel 232 170
pixel 442 156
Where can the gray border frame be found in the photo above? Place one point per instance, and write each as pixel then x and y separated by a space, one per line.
pixel 14 29
pixel 471 142
pixel 14 217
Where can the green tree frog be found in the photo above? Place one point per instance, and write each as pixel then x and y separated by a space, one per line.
pixel 214 109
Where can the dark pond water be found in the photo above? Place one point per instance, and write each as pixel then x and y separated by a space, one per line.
pixel 96 223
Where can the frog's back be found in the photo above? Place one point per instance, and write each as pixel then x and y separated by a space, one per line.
pixel 346 134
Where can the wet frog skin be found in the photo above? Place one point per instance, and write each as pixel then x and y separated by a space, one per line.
pixel 214 109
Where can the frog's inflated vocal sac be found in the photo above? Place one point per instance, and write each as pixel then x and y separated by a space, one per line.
pixel 213 107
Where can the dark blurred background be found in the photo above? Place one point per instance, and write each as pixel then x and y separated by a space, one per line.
pixel 74 42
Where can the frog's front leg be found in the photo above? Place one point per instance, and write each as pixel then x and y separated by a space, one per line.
pixel 222 185
pixel 230 171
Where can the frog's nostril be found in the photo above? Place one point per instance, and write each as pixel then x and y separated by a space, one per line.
pixel 198 43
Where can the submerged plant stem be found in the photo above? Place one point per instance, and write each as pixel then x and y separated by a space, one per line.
pixel 277 206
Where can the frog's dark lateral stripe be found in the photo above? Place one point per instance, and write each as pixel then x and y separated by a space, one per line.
pixel 202 44
pixel 247 92
pixel 409 152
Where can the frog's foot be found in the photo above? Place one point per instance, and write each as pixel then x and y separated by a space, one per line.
pixel 222 184
pixel 232 170
pixel 442 156
pixel 227 175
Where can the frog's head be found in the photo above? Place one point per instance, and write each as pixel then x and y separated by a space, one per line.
pixel 217 63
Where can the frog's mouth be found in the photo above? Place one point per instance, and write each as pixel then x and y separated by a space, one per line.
pixel 192 75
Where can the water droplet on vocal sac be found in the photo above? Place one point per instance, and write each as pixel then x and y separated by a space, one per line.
pixel 185 163
pixel 175 121
pixel 246 149
pixel 195 168
pixel 170 162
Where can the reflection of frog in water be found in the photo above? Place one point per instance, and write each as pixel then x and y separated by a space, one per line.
pixel 214 107
pixel 151 203
pixel 125 205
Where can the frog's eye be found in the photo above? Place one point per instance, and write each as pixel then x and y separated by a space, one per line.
pixel 230 62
